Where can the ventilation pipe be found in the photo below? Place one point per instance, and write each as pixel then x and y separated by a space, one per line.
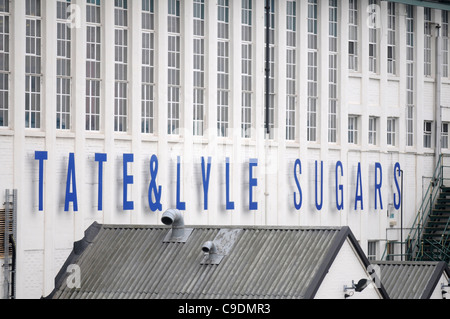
pixel 209 247
pixel 438 109
pixel 174 218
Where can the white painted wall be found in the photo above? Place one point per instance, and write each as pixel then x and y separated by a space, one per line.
pixel 437 292
pixel 46 238
pixel 346 267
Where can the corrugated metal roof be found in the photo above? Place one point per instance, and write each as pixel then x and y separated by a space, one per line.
pixel 134 262
pixel 410 279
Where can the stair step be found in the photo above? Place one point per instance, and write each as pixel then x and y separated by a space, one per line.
pixel 439 217
pixel 437 228
pixel 436 237
pixel 436 231
pixel 439 210
pixel 437 222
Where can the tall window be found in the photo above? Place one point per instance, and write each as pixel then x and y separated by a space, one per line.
pixel 391 38
pixel 333 71
pixel 121 66
pixel 427 132
pixel 445 44
pixel 372 250
pixel 63 67
pixel 312 72
pixel 93 64
pixel 373 36
pixel 390 131
pixel 291 62
pixel 372 130
pixel 174 60
pixel 353 35
pixel 148 68
pixel 4 63
pixel 223 68
pixel 247 53
pixel 271 88
pixel 444 135
pixel 427 42
pixel 353 129
pixel 199 67
pixel 33 64
pixel 410 75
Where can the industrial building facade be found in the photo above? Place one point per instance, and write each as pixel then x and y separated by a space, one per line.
pixel 115 111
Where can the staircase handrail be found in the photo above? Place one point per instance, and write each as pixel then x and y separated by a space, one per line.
pixel 425 209
pixel 442 250
pixel 446 234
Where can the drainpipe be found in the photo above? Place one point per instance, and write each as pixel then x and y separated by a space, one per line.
pixel 267 7
pixel 13 271
pixel 438 109
pixel 401 218
pixel 267 113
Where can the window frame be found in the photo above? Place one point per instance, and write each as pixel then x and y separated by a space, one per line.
pixel 5 72
pixel 148 69
pixel 391 131
pixel 353 127
pixel 121 60
pixel 427 134
pixel 33 65
pixel 93 65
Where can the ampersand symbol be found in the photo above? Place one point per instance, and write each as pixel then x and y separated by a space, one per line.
pixel 153 188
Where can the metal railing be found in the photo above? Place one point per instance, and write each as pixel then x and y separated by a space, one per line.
pixel 9 235
pixel 415 241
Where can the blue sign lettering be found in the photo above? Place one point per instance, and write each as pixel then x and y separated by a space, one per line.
pixel 155 191
pixel 41 156
pixel 319 205
pixel 397 199
pixel 229 205
pixel 359 193
pixel 339 188
pixel 127 180
pixel 180 205
pixel 153 188
pixel 205 178
pixel 253 182
pixel 378 185
pixel 298 204
pixel 71 196
pixel 100 158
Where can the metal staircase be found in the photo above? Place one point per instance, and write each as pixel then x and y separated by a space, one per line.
pixel 435 244
pixel 8 227
pixel 429 237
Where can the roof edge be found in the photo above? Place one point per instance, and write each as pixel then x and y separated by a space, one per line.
pixel 424 3
pixel 344 233
pixel 78 248
pixel 326 264
pixel 438 271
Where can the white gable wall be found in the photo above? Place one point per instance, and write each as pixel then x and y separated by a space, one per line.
pixel 437 292
pixel 346 267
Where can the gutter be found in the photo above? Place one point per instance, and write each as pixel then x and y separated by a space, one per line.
pixel 425 4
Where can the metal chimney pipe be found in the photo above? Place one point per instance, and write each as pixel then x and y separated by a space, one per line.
pixel 209 247
pixel 175 218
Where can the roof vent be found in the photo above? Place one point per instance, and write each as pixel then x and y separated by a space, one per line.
pixel 215 251
pixel 209 247
pixel 178 233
